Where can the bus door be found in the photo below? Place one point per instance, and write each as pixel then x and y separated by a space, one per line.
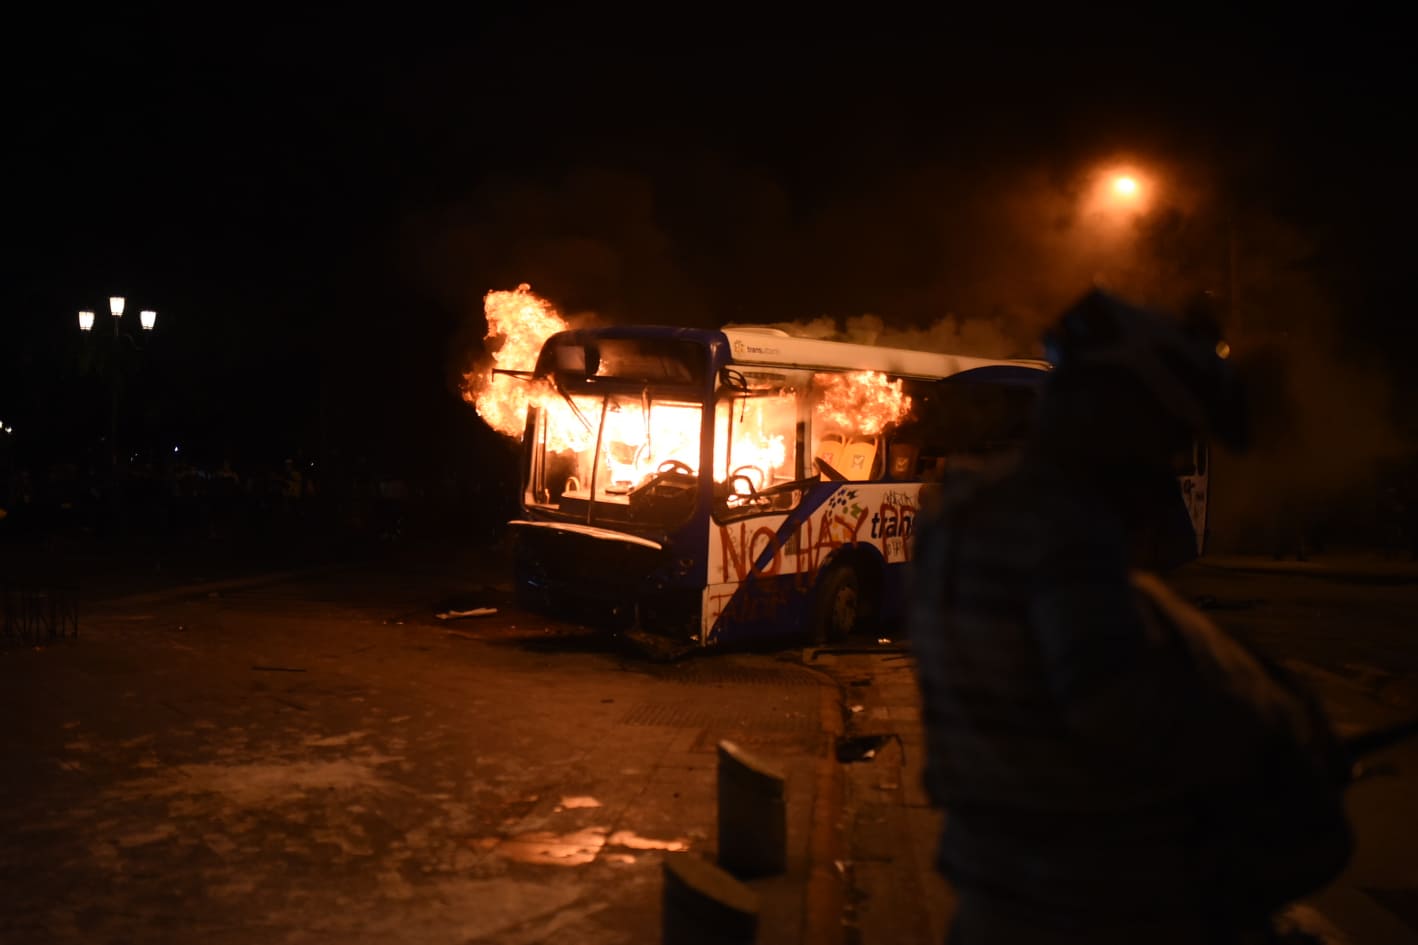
pixel 762 474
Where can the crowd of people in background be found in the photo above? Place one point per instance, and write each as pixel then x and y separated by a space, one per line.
pixel 72 502
pixel 221 500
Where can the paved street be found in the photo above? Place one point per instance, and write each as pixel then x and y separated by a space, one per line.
pixel 1350 630
pixel 321 759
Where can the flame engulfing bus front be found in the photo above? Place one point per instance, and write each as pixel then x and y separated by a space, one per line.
pixel 613 449
pixel 714 486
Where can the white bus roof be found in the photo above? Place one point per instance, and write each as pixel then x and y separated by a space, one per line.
pixel 778 349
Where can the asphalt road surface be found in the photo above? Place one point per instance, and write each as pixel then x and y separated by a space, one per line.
pixel 1352 633
pixel 322 759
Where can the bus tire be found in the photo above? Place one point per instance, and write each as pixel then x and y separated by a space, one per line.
pixel 836 604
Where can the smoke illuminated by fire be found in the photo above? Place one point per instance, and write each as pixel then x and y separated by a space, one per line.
pixel 866 402
pixel 518 321
pixel 623 442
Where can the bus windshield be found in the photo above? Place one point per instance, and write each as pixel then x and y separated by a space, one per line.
pixel 617 458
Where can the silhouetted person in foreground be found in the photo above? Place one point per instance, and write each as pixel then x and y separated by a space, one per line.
pixel 1113 766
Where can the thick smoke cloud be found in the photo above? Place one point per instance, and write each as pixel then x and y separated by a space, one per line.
pixel 979 337
pixel 974 259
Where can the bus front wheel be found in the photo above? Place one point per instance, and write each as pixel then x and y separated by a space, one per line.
pixel 837 605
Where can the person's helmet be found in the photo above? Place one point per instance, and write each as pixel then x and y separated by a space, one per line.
pixel 1182 363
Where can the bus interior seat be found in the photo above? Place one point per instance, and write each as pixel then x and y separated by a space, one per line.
pixel 829 449
pixel 859 458
pixel 903 460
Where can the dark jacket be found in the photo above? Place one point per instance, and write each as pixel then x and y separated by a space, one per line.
pixel 1088 731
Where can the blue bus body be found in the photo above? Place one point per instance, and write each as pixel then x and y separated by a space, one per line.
pixel 692 483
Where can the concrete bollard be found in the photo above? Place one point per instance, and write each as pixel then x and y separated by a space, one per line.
pixel 753 815
pixel 703 905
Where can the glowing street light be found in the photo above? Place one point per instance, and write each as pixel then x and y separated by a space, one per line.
pixel 1125 185
pixel 1116 196
pixel 1122 191
pixel 147 320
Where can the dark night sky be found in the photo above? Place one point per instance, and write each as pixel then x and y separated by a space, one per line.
pixel 316 206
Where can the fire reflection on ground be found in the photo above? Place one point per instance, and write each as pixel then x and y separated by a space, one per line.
pixel 626 838
pixel 577 802
pixel 577 848
pixel 545 848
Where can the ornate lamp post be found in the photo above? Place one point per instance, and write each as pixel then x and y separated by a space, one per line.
pixel 147 320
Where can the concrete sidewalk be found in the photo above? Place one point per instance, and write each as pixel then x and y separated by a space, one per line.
pixel 894 894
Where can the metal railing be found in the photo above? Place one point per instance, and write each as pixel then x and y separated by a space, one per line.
pixel 34 614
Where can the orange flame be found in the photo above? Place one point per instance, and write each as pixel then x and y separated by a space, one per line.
pixel 758 446
pixel 518 322
pixel 635 448
pixel 866 402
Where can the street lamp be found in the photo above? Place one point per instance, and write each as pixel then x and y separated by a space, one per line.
pixel 1117 198
pixel 1120 193
pixel 147 320
pixel 1112 205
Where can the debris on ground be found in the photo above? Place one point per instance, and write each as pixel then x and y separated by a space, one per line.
pixel 657 648
pixel 862 747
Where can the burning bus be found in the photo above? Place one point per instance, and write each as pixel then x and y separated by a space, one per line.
pixel 722 486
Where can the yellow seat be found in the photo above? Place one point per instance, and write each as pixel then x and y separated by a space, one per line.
pixel 829 449
pixel 858 459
